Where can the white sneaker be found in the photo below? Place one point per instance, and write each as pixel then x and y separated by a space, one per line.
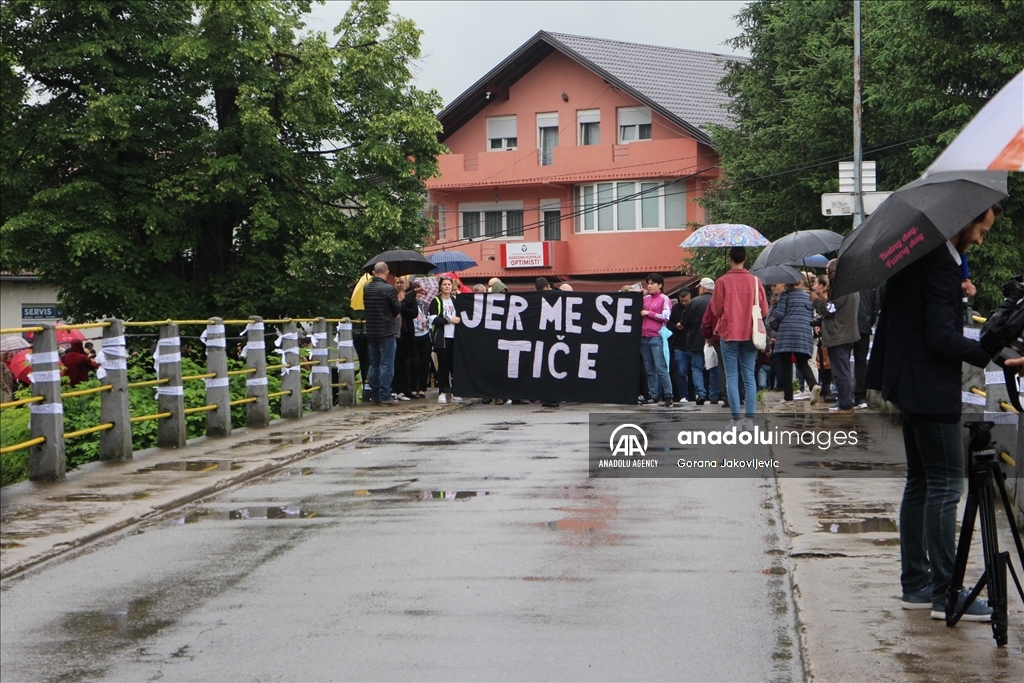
pixel 441 398
pixel 746 424
pixel 801 396
pixel 456 399
pixel 815 394
pixel 400 397
pixel 682 401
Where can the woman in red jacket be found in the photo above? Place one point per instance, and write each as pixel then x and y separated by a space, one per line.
pixel 78 363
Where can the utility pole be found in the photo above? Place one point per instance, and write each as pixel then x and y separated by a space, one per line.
pixel 858 153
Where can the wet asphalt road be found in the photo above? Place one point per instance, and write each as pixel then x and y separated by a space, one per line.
pixel 470 547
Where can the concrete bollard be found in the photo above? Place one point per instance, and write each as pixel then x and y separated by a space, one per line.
pixel 291 377
pixel 320 375
pixel 218 391
pixel 345 365
pixel 46 461
pixel 170 397
pixel 257 413
pixel 116 442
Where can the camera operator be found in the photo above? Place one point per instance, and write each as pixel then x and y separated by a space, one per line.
pixel 916 363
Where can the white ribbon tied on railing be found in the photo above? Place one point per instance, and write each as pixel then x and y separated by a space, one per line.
pixel 344 366
pixel 257 382
pixel 345 343
pixel 215 382
pixel 294 349
pixel 44 376
pixel 43 358
pixel 290 368
pixel 318 336
pixel 170 391
pixel 971 398
pixel 318 370
pixel 219 342
pixel 287 335
pixel 244 353
pixel 318 353
pixel 159 358
pixel 46 408
pixel 111 356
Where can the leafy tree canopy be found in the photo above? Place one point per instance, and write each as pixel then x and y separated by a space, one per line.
pixel 927 68
pixel 182 159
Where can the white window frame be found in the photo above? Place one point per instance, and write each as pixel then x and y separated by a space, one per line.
pixel 580 221
pixel 584 117
pixel 634 119
pixel 483 208
pixel 508 142
pixel 546 120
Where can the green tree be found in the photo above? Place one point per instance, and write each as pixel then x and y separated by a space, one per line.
pixel 181 159
pixel 927 68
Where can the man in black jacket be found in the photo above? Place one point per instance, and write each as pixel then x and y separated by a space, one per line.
pixel 691 320
pixel 383 304
pixel 867 315
pixel 916 363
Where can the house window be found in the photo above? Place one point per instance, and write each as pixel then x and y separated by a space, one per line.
pixel 551 219
pixel 492 220
pixel 634 124
pixel 501 133
pixel 629 205
pixel 590 126
pixel 547 137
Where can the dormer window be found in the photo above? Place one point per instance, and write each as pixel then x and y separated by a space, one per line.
pixel 501 133
pixel 634 124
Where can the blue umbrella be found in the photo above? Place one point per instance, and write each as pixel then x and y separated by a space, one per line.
pixel 725 235
pixel 451 261
pixel 813 261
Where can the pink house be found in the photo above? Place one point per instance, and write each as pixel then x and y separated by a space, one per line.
pixel 579 159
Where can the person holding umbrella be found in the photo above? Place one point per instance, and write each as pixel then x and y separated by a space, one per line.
pixel 839 331
pixel 383 305
pixel 916 363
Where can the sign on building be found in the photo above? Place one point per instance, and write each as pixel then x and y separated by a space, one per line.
pixel 41 312
pixel 526 254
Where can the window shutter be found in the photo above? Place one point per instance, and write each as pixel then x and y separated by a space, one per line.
pixel 634 116
pixel 589 116
pixel 547 120
pixel 501 127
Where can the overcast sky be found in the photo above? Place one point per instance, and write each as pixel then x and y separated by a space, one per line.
pixel 462 41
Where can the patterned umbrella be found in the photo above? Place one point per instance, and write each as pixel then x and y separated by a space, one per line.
pixel 451 261
pixel 64 336
pixel 725 235
pixel 12 342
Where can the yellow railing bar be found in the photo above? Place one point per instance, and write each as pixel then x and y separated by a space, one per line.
pixel 146 418
pixel 275 367
pixel 308 362
pixel 311 389
pixel 279 393
pixel 203 376
pixel 89 430
pixel 247 371
pixel 1008 459
pixel 1008 407
pixel 979 392
pixel 19 330
pixel 21 402
pixel 194 322
pixel 23 444
pixel 86 392
pixel 148 383
pixel 283 320
pixel 200 409
pixel 83 326
pixel 237 322
pixel 343 385
pixel 146 323
pixel 251 399
pixel 979 319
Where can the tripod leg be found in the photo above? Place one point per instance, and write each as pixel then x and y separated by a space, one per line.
pixel 995 562
pixel 1014 531
pixel 1016 580
pixel 963 549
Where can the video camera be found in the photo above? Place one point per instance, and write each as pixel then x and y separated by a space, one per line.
pixel 1002 335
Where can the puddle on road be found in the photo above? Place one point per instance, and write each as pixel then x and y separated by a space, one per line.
pixel 384 468
pixel 191 466
pixel 371 441
pixel 247 513
pixel 852 466
pixel 282 439
pixel 867 525
pixel 99 497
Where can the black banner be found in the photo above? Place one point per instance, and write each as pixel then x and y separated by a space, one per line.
pixel 551 346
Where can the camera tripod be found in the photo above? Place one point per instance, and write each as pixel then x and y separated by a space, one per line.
pixel 984 476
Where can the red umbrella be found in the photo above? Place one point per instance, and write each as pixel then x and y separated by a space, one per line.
pixel 64 336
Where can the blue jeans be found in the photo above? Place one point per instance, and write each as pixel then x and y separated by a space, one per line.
pixel 935 482
pixel 659 384
pixel 382 367
pixel 697 365
pixel 839 359
pixel 682 371
pixel 738 358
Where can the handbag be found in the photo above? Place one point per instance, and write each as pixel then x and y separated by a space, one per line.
pixel 758 334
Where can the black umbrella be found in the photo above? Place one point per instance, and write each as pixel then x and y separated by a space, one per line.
pixel 914 220
pixel 401 262
pixel 774 275
pixel 790 249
